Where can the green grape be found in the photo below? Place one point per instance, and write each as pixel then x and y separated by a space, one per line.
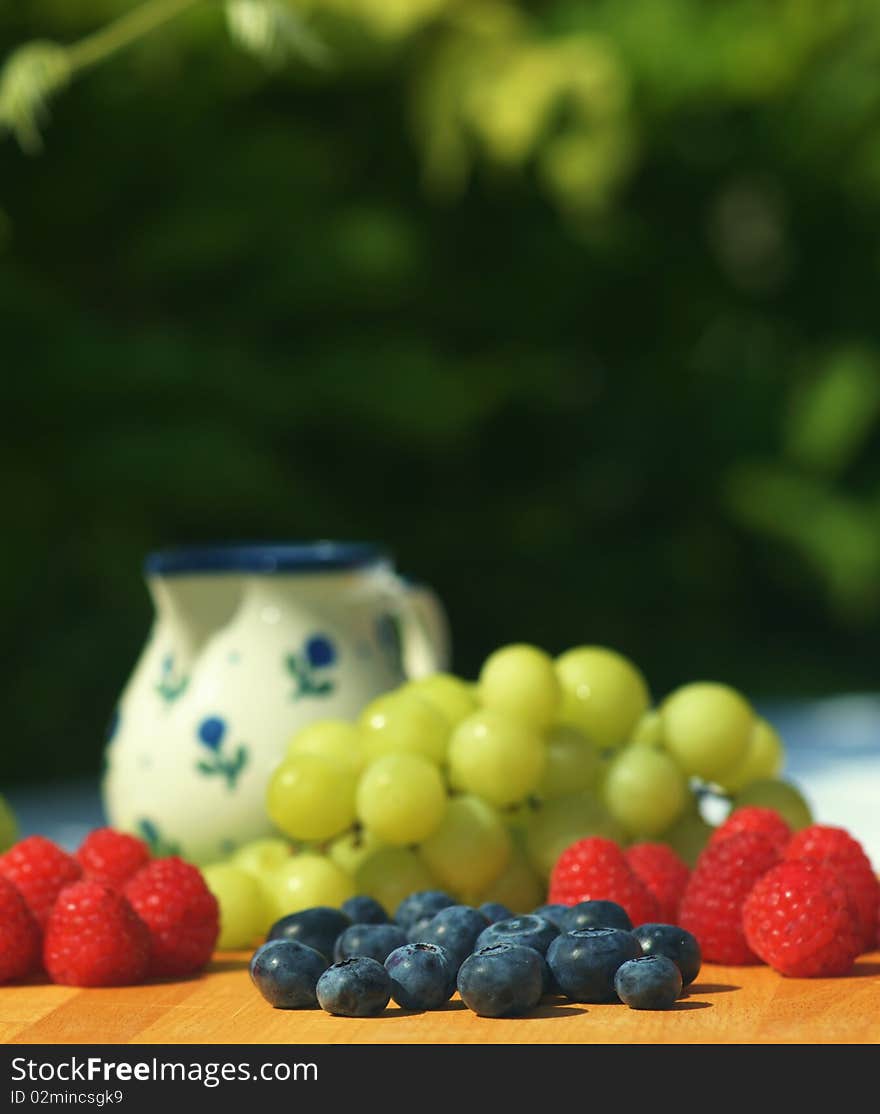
pixel 520 681
pixel 706 728
pixel 260 857
pixel 555 825
pixel 401 798
pixel 392 873
pixel 308 879
pixel 453 698
pixel 764 758
pixel 336 739
pixel 689 834
pixel 497 757
pixel 403 722
pixel 648 731
pixel 244 917
pixel 351 848
pixel 780 795
pixel 471 846
pixel 311 798
pixel 645 790
pixel 519 887
pixel 573 763
pixel 8 826
pixel 603 694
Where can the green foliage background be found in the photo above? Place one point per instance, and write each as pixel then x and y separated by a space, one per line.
pixel 573 304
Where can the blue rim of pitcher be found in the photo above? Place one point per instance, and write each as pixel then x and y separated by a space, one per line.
pixel 265 557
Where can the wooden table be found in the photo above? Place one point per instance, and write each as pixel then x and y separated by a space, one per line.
pixel 726 1005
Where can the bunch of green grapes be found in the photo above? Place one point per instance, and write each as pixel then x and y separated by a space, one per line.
pixel 476 788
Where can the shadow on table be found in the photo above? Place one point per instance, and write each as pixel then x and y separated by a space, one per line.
pixel 550 1009
pixel 871 969
pixel 228 963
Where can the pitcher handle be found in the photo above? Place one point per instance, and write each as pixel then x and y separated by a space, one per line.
pixel 424 629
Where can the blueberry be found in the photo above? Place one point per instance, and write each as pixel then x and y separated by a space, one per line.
pixel 455 928
pixel 675 943
pixel 495 911
pixel 651 982
pixel 585 962
pixel 596 914
pixel 362 909
pixel 356 987
pixel 416 931
pixel 421 976
pixel 420 905
pixel 529 930
pixel 552 912
pixel 286 973
pixel 318 926
pixel 377 941
pixel 503 980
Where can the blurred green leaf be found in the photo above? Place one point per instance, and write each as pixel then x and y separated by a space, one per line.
pixel 839 536
pixel 833 414
pixel 274 31
pixel 30 78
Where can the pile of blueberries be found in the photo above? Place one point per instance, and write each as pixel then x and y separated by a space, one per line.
pixel 354 960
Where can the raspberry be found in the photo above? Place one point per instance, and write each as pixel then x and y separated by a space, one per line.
pixel 798 920
pixel 94 938
pixel 39 869
pixel 665 874
pixel 595 868
pixel 845 856
pixel 111 857
pixel 752 818
pixel 181 913
pixel 711 907
pixel 19 935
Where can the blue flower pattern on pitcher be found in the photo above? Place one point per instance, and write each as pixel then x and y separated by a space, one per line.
pixel 316 655
pixel 171 684
pixel 212 735
pixel 149 832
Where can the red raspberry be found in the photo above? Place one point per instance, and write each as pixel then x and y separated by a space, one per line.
pixel 845 856
pixel 752 818
pixel 799 920
pixel 94 938
pixel 111 857
pixel 39 869
pixel 19 935
pixel 595 869
pixel 181 912
pixel 664 874
pixel 711 907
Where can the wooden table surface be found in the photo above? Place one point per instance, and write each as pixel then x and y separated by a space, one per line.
pixel 726 1005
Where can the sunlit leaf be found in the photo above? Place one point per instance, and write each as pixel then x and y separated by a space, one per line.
pixel 834 413
pixel 32 75
pixel 273 31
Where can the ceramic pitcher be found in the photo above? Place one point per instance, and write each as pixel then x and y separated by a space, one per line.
pixel 250 643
